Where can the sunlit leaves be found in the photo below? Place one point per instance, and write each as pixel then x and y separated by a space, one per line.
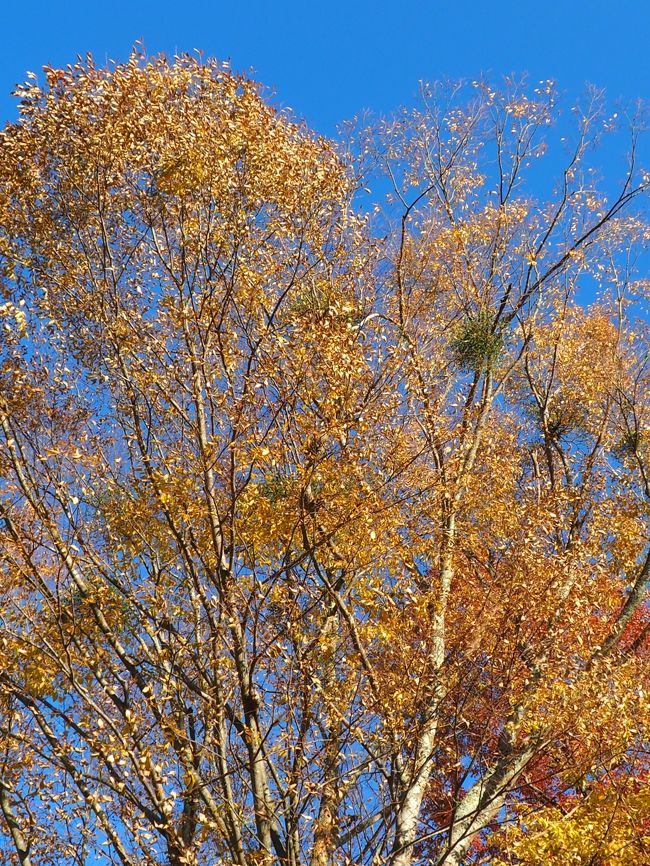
pixel 322 538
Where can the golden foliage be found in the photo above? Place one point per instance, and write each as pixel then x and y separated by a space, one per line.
pixel 320 540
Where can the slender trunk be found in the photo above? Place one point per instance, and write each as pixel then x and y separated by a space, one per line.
pixel 414 781
pixel 481 804
pixel 326 824
pixel 20 843
pixel 415 776
pixel 265 821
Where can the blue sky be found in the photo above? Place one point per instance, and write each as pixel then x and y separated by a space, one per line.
pixel 330 60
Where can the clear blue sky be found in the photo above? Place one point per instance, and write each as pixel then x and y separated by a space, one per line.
pixel 329 60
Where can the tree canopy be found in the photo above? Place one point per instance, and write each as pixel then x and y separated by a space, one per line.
pixel 323 531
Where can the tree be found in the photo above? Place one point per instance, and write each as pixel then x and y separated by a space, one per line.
pixel 324 538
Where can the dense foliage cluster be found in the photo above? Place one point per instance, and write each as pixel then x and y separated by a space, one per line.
pixel 323 535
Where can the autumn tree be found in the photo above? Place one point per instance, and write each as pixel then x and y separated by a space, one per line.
pixel 324 534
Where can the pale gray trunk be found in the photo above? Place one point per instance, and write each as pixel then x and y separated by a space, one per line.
pixel 480 805
pixel 327 820
pixel 408 812
pixel 415 777
pixel 20 843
